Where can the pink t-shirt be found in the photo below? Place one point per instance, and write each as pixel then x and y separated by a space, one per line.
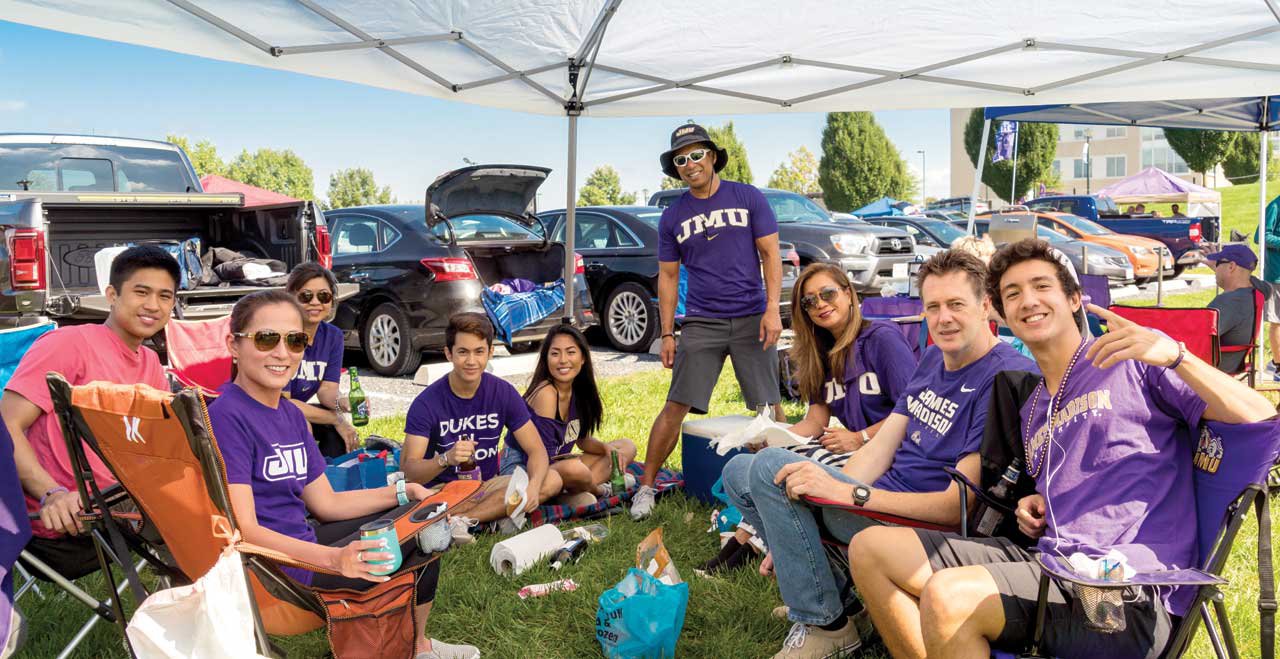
pixel 82 354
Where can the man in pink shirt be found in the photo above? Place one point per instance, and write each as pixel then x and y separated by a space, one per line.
pixel 142 292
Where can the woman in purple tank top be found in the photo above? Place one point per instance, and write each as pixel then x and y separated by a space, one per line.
pixel 567 410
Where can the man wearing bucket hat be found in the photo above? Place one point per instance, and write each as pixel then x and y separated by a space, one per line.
pixel 1233 272
pixel 720 232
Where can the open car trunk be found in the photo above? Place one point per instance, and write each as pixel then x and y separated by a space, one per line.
pixel 537 263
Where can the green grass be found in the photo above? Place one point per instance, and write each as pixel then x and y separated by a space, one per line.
pixel 727 617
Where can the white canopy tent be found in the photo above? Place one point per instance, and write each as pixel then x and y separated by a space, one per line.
pixel 609 58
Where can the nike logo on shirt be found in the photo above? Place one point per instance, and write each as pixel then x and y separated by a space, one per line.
pixel 964 390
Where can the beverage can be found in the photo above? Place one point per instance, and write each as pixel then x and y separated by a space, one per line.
pixel 385 531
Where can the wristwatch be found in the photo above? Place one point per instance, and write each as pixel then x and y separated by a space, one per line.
pixel 861 493
pixel 442 459
pixel 401 497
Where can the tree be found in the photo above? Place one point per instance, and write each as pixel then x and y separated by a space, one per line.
pixel 1241 163
pixel 737 169
pixel 278 171
pixel 798 174
pixel 604 188
pixel 859 164
pixel 204 155
pixel 1037 145
pixel 669 183
pixel 356 187
pixel 1202 149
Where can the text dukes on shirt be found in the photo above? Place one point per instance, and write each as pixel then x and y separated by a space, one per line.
pixel 946 413
pixel 715 240
pixel 443 418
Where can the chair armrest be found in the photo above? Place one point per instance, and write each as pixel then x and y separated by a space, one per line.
pixel 1060 569
pixel 978 492
pixel 888 518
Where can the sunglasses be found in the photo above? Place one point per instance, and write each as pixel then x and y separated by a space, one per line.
pixel 693 156
pixel 267 340
pixel 827 294
pixel 324 297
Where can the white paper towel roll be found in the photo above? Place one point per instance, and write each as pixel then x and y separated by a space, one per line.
pixel 521 552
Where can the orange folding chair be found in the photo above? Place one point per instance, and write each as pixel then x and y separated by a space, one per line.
pixel 198 355
pixel 162 451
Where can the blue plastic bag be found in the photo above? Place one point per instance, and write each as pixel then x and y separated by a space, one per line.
pixel 641 617
pixel 730 517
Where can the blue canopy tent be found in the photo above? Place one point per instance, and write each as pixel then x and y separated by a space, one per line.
pixel 882 207
pixel 1243 113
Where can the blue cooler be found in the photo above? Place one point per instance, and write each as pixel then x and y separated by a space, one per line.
pixel 700 462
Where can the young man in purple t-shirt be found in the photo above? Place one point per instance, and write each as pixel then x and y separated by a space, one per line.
pixel 937 423
pixel 1112 471
pixel 725 235
pixel 459 419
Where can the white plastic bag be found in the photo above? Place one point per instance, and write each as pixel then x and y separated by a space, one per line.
pixel 210 619
pixel 762 430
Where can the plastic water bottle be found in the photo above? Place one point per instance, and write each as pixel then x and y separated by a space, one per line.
pixel 590 532
pixel 1002 492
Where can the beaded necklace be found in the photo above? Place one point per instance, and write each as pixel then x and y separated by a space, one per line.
pixel 1036 455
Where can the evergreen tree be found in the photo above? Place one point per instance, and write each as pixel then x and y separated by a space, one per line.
pixel 859 164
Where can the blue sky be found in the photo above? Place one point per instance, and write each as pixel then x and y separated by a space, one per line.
pixel 55 82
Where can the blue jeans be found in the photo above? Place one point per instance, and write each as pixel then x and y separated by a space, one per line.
pixel 811 587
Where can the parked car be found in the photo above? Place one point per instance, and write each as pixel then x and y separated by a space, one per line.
pixel 866 253
pixel 930 234
pixel 1101 260
pixel 1145 254
pixel 65 197
pixel 1182 235
pixel 960 204
pixel 619 248
pixel 946 215
pixel 416 269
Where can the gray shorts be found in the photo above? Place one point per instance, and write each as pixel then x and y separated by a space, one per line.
pixel 1148 626
pixel 1271 307
pixel 700 353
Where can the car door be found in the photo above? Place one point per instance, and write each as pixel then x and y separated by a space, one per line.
pixel 359 244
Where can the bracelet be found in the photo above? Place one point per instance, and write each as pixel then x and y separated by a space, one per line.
pixel 1182 352
pixel 670 334
pixel 866 439
pixel 401 497
pixel 442 459
pixel 52 491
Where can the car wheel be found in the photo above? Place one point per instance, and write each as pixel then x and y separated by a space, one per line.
pixel 386 341
pixel 630 318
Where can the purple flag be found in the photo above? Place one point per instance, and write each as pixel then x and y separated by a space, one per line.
pixel 1005 136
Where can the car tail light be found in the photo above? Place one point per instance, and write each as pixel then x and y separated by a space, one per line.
pixel 450 268
pixel 324 246
pixel 578 266
pixel 1195 232
pixel 26 259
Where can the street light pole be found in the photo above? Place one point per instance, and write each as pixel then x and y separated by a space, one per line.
pixel 1088 161
pixel 923 180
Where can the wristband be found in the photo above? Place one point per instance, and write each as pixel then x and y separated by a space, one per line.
pixel 50 492
pixel 401 497
pixel 670 334
pixel 1182 352
pixel 866 439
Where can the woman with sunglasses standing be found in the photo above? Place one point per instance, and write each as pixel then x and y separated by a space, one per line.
pixel 850 368
pixel 275 473
pixel 321 369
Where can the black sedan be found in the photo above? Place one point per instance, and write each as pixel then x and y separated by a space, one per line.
pixel 619 248
pixel 416 270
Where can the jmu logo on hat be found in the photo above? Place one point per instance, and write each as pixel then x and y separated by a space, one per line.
pixel 681 132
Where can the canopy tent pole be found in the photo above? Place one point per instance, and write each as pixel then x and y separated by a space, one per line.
pixel 977 177
pixel 570 204
pixel 1013 183
pixel 1262 223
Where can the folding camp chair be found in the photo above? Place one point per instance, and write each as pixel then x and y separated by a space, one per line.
pixel 198 355
pixel 904 311
pixel 1197 328
pixel 1249 365
pixel 1097 290
pixel 163 453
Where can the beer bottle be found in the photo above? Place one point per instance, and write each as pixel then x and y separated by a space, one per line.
pixel 1002 492
pixel 359 406
pixel 617 482
pixel 468 470
pixel 569 552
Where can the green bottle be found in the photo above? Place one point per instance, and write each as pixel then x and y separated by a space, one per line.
pixel 359 407
pixel 617 482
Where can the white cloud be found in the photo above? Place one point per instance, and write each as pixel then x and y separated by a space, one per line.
pixel 12 106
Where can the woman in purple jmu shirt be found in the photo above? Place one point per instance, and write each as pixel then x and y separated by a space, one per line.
pixel 275 473
pixel 1112 471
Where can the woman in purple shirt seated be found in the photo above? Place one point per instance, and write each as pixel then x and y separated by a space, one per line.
pixel 276 475
pixel 320 370
pixel 566 409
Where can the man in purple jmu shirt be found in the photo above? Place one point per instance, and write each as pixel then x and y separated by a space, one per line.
pixel 1112 471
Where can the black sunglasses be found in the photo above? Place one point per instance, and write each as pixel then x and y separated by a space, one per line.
pixel 325 297
pixel 267 340
pixel 827 294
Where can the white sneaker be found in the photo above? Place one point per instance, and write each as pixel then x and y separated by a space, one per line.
pixel 642 502
pixel 460 529
pixel 442 650
pixel 812 642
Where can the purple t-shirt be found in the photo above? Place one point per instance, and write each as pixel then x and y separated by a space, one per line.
pixel 875 375
pixel 946 412
pixel 443 417
pixel 557 435
pixel 1116 472
pixel 272 451
pixel 322 362
pixel 715 240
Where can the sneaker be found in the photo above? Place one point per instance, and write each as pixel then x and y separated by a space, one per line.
pixel 781 612
pixel 442 650
pixel 460 528
pixel 642 502
pixel 812 642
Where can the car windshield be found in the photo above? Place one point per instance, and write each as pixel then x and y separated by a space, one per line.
pixel 1087 227
pixel 791 207
pixel 91 168
pixel 473 228
pixel 943 231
